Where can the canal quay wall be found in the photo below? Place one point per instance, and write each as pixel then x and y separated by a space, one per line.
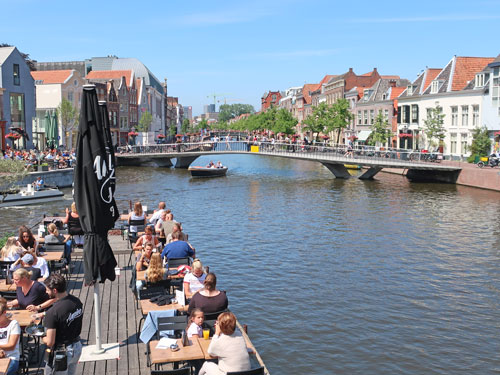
pixel 471 175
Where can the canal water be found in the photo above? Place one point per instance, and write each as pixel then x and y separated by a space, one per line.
pixel 338 276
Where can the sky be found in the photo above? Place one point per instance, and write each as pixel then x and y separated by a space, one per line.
pixel 238 50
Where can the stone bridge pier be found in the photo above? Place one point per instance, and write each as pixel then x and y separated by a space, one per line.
pixel 185 161
pixel 340 171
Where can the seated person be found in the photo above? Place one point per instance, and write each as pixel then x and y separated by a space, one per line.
pixel 38 183
pixel 72 219
pixel 166 226
pixel 55 237
pixel 154 273
pixel 229 346
pixel 31 295
pixel 209 299
pixel 177 248
pixel 27 263
pixel 147 237
pixel 10 332
pixel 177 228
pixel 26 238
pixel 144 258
pixel 193 281
pixel 11 251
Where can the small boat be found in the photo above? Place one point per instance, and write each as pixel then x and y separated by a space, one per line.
pixel 352 166
pixel 197 171
pixel 30 196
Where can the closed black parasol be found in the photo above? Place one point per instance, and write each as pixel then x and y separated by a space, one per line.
pixel 94 187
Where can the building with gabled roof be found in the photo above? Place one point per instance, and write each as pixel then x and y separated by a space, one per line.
pixel 488 80
pixel 270 98
pixel 18 96
pixel 52 86
pixel 451 88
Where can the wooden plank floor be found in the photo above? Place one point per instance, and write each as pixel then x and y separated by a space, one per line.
pixel 119 317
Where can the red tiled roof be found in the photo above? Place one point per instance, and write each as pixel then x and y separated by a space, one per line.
pixel 111 74
pixel 305 91
pixel 51 76
pixel 466 68
pixel 431 74
pixel 390 77
pixel 396 91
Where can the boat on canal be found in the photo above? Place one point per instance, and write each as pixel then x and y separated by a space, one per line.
pixel 198 171
pixel 27 195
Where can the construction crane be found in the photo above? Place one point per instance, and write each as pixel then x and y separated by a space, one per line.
pixel 227 100
pixel 215 96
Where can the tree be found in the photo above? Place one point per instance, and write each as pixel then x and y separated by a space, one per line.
pixel 380 130
pixel 481 142
pixel 172 131
pixel 342 117
pixel 319 119
pixel 202 125
pixel 284 122
pixel 186 125
pixel 69 116
pixel 230 111
pixel 11 172
pixel 434 127
pixel 145 122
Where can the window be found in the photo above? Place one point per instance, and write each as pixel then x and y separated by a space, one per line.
pixel 495 88
pixel 360 118
pixel 365 117
pixel 435 85
pixel 454 116
pixel 465 115
pixel 409 90
pixel 17 78
pixel 406 114
pixel 372 115
pixel 463 143
pixel 273 98
pixel 17 110
pixel 414 113
pixel 386 114
pixel 475 115
pixel 453 143
pixel 70 97
pixel 480 80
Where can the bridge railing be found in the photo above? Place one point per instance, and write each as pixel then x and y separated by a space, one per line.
pixel 356 153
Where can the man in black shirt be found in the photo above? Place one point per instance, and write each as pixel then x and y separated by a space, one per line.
pixel 63 323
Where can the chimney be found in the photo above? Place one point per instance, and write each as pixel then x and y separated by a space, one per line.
pixel 392 83
pixel 375 70
pixel 350 70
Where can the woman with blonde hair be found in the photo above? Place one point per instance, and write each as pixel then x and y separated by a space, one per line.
pixel 31 295
pixel 72 219
pixel 11 250
pixel 55 237
pixel 229 346
pixel 193 281
pixel 10 332
pixel 155 271
pixel 136 214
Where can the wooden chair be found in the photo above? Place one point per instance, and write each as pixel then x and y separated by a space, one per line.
pixel 133 237
pixel 4 268
pixel 214 315
pixel 54 247
pixel 255 371
pixel 176 262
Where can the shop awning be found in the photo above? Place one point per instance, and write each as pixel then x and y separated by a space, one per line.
pixel 363 135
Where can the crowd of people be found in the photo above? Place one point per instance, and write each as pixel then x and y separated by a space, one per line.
pixel 56 157
pixel 43 293
pixel 164 239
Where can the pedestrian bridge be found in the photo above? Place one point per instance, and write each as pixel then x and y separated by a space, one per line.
pixel 419 166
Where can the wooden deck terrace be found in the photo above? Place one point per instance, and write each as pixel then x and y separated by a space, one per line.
pixel 119 319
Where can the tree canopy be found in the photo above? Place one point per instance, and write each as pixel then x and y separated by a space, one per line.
pixel 342 117
pixel 277 121
pixel 230 111
pixel 481 142
pixel 186 126
pixel 69 116
pixel 434 128
pixel 380 130
pixel 145 122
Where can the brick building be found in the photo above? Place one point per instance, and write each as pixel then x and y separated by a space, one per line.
pixel 270 98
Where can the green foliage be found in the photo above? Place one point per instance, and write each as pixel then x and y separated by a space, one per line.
pixel 481 142
pixel 342 117
pixel 145 122
pixel 284 122
pixel 434 128
pixel 319 119
pixel 380 130
pixel 202 125
pixel 4 239
pixel 230 111
pixel 172 131
pixel 277 121
pixel 186 126
pixel 11 172
pixel 69 116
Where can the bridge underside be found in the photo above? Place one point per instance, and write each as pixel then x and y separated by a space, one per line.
pixel 145 161
pixel 420 175
pixel 340 171
pixel 185 161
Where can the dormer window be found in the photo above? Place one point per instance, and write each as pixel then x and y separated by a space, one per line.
pixel 435 86
pixel 409 90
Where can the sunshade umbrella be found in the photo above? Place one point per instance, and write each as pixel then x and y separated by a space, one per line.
pixel 55 129
pixel 94 184
pixel 48 128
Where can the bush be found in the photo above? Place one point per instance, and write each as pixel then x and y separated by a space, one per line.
pixel 474 158
pixel 3 239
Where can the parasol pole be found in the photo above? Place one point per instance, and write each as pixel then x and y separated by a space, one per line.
pixel 97 313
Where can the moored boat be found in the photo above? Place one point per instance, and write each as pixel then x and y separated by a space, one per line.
pixel 30 196
pixel 197 171
pixel 352 166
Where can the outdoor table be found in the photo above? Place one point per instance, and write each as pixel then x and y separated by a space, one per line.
pixel 147 306
pixel 23 317
pixel 53 256
pixel 141 275
pixel 4 287
pixel 185 353
pixel 4 365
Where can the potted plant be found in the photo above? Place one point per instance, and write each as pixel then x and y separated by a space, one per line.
pixel 44 167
